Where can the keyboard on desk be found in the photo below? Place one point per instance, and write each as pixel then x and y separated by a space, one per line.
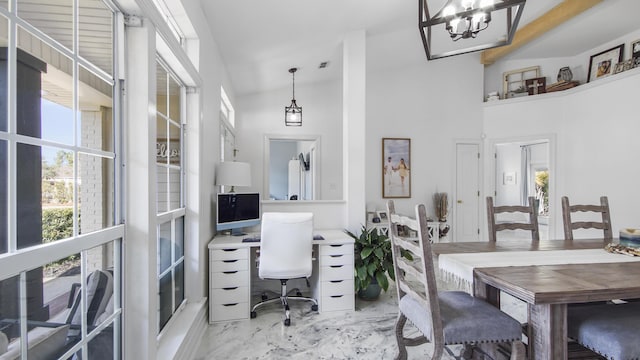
pixel 257 238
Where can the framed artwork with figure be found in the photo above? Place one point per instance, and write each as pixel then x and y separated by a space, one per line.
pixel 603 63
pixel 396 168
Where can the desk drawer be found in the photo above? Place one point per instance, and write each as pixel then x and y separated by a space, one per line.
pixel 338 302
pixel 229 265
pixel 229 279
pixel 337 287
pixel 231 295
pixel 341 249
pixel 336 272
pixel 229 254
pixel 342 259
pixel 230 311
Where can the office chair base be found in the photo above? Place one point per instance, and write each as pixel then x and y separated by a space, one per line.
pixel 285 302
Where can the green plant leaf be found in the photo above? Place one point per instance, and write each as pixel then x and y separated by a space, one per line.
pixel 371 269
pixel 366 252
pixel 382 281
pixel 379 253
pixel 362 273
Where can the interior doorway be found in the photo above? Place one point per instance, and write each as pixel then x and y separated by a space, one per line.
pixel 523 168
pixel 466 207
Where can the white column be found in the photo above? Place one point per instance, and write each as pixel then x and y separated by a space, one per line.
pixel 140 283
pixel 354 114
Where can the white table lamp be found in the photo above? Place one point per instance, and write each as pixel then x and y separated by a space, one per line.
pixel 233 173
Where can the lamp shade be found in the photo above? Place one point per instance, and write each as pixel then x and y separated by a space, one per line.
pixel 233 173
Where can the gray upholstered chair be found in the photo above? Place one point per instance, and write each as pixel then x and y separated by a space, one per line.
pixel 529 211
pixel 443 318
pixel 609 330
pixel 285 253
pixel 602 210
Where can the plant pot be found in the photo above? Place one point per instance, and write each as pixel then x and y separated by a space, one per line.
pixel 372 292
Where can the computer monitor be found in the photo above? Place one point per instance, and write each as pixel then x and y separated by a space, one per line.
pixel 236 211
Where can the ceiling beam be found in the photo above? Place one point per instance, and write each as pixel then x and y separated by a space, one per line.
pixel 552 18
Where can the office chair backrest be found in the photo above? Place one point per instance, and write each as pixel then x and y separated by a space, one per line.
pixel 530 211
pixel 285 245
pixel 570 225
pixel 416 278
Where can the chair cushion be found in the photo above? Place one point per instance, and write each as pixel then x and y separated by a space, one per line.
pixel 610 330
pixel 465 319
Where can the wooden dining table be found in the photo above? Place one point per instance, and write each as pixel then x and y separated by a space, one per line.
pixel 548 289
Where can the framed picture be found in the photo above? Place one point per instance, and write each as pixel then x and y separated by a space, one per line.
pixel 382 215
pixel 396 168
pixel 635 49
pixel 602 64
pixel 619 68
pixel 509 178
pixel 536 86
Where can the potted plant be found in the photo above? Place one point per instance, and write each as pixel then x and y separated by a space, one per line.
pixel 373 262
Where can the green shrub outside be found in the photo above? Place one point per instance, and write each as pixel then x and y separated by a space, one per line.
pixel 57 223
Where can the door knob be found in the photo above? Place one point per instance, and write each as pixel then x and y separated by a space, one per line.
pixel 459 201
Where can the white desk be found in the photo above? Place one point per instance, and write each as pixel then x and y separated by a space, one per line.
pixel 230 265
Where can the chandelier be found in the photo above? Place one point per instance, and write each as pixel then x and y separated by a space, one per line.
pixel 293 112
pixel 464 20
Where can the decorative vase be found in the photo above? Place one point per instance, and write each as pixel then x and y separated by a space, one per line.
pixel 371 292
pixel 565 74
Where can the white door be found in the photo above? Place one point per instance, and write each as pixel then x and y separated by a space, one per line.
pixel 467 210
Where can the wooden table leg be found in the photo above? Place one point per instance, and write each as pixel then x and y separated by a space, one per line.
pixel 548 334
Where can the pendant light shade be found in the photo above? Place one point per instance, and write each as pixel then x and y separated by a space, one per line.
pixel 293 112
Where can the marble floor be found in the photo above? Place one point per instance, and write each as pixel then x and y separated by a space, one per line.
pixel 367 333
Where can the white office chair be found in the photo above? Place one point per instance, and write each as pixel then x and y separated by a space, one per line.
pixel 285 253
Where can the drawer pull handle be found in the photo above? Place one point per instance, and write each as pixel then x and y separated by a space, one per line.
pixel 230 304
pixel 335 245
pixel 230 288
pixel 336 296
pixel 229 249
pixel 229 272
pixel 229 261
pixel 336 266
pixel 336 281
pixel 336 256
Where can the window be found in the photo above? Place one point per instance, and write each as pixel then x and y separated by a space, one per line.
pixel 58 177
pixel 170 203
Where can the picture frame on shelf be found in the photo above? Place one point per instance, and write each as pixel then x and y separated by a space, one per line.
pixel 514 81
pixel 382 215
pixel 635 49
pixel 536 86
pixel 396 168
pixel 628 65
pixel 619 68
pixel 603 63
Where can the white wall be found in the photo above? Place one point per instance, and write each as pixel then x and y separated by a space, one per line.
pixel 432 104
pixel 263 113
pixel 597 148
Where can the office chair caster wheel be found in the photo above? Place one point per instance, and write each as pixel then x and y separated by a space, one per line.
pixel 264 297
pixel 253 314
pixel 298 293
pixel 314 307
pixel 287 322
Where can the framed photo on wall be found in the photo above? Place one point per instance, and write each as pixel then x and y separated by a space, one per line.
pixel 602 64
pixel 635 49
pixel 396 168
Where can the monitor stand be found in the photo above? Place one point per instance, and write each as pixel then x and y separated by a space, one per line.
pixel 237 232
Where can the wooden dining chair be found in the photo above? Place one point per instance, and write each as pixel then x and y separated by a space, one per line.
pixel 602 209
pixel 443 318
pixel 530 211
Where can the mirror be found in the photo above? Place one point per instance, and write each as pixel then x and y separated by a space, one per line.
pixel 291 168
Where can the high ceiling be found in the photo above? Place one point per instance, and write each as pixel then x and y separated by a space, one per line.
pixel 261 39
